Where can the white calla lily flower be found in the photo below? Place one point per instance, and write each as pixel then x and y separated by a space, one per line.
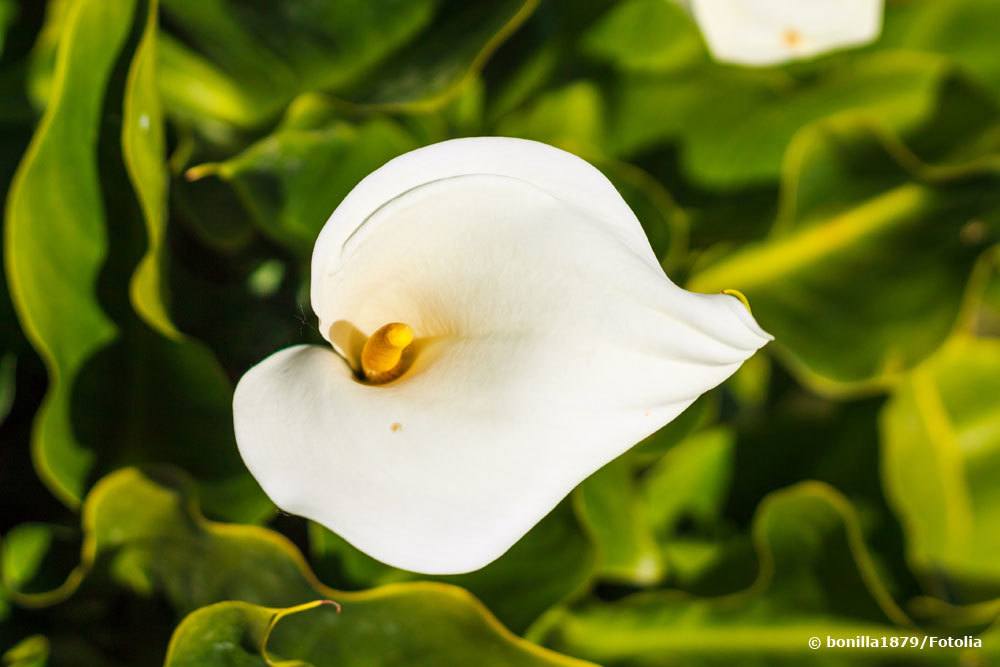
pixel 501 329
pixel 767 32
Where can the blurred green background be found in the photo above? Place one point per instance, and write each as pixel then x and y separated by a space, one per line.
pixel 166 167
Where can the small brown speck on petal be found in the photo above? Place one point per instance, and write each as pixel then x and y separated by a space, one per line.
pixel 396 426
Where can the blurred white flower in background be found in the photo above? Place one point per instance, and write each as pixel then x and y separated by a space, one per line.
pixel 768 32
pixel 500 329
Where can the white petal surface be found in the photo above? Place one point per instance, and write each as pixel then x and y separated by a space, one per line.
pixel 559 173
pixel 766 32
pixel 548 343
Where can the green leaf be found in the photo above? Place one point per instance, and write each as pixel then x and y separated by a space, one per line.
pixel 146 535
pixel 609 506
pixel 690 481
pixel 760 111
pixel 571 117
pixel 962 30
pixel 865 273
pixel 173 404
pixel 750 383
pixel 26 562
pixel 144 153
pixel 811 438
pixel 293 179
pixel 56 246
pixel 684 494
pixel 31 651
pixel 941 458
pixel 645 36
pixel 431 71
pixel 56 196
pixel 612 505
pixel 418 624
pixel 42 61
pixel 815 579
pixel 8 14
pixel 544 568
pixel 255 58
pixel 242 631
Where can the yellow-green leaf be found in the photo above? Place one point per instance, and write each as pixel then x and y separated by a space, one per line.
pixel 145 533
pixel 252 60
pixel 144 152
pixel 610 508
pixel 865 273
pixel 31 651
pixel 941 458
pixel 292 180
pixel 55 239
pixel 815 579
pixel 760 111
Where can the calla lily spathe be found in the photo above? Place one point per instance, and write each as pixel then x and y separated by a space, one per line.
pixel 767 32
pixel 542 340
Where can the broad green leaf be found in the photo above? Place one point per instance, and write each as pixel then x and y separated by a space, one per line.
pixel 544 568
pixel 939 613
pixel 534 56
pixel 58 243
pixel 645 35
pixel 378 627
pixel 759 112
pixel 610 508
pixel 8 14
pixel 611 505
pixel 293 179
pixel 815 579
pixel 690 481
pixel 750 383
pixel 172 403
pixel 32 651
pixel 32 561
pixel 55 240
pixel 571 117
pixel 212 212
pixel 431 71
pixel 258 56
pixel 683 495
pixel 865 273
pixel 962 30
pixel 242 631
pixel 146 535
pixel 144 152
pixel 42 61
pixel 941 458
pixel 254 58
pixel 813 439
pixel 196 92
pixel 803 437
pixel 633 514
